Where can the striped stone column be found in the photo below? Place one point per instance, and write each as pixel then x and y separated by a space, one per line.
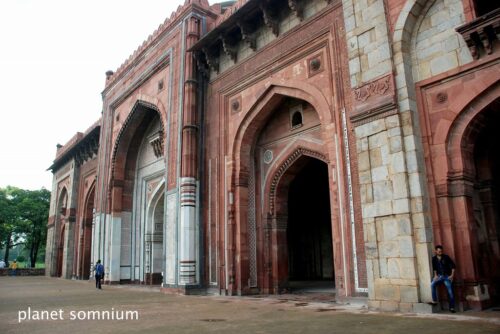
pixel 188 252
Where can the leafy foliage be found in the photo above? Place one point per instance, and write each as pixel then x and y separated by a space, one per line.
pixel 23 219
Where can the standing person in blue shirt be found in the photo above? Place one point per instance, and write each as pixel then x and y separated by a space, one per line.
pixel 99 274
pixel 444 271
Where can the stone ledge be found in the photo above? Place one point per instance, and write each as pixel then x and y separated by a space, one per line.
pixel 393 306
pixel 24 272
pixel 183 290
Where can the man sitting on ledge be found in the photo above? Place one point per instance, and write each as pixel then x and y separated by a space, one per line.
pixel 444 270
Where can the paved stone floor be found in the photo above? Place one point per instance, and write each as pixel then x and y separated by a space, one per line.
pixel 160 313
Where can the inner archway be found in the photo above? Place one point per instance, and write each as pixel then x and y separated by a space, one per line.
pixel 86 236
pixel 153 240
pixel 60 227
pixel 481 141
pixel 309 230
pixel 138 165
pixel 287 158
pixel 473 196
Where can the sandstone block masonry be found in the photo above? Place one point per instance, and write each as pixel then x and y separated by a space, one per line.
pixel 392 236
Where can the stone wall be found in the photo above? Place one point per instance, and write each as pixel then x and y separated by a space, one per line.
pixel 409 41
pixel 397 236
pixel 390 237
pixel 437 47
pixel 367 40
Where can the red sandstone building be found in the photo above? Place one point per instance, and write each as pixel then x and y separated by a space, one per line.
pixel 267 145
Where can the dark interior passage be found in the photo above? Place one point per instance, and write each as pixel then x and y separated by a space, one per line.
pixel 86 245
pixel 309 230
pixel 485 6
pixel 486 198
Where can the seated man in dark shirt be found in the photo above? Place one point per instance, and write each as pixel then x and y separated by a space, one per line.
pixel 444 270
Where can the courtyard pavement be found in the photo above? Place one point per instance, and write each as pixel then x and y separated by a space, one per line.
pixel 71 306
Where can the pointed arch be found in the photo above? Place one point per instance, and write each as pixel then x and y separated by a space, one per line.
pixel 403 31
pixel 287 159
pixel 255 249
pixel 62 192
pixel 85 234
pixel 460 130
pixel 259 112
pixel 56 254
pixel 89 191
pixel 407 19
pixel 129 127
pixel 153 237
pixel 157 193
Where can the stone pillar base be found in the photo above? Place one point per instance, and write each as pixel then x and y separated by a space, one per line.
pixel 478 297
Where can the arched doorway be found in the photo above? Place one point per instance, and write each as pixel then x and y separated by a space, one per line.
pixel 472 198
pixel 60 227
pixel 138 167
pixel 153 239
pixel 309 230
pixel 480 148
pixel 86 236
pixel 271 138
pixel 460 142
pixel 291 209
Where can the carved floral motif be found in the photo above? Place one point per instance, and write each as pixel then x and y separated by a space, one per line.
pixel 379 87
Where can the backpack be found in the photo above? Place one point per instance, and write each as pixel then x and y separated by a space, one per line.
pixel 99 269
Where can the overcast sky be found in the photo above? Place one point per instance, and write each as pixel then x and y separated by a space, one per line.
pixel 53 56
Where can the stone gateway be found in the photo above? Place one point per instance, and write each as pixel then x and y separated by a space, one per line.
pixel 259 146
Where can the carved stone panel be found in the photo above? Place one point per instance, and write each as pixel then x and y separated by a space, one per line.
pixel 374 99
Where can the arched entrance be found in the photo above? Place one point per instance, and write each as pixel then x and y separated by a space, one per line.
pixel 287 124
pixel 298 238
pixel 309 230
pixel 470 229
pixel 153 239
pixel 60 227
pixel 460 143
pixel 482 163
pixel 86 236
pixel 289 201
pixel 138 167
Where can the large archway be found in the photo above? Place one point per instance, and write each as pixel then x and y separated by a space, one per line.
pixel 459 141
pixel 138 166
pixel 62 204
pixel 309 230
pixel 85 231
pixel 285 123
pixel 288 156
pixel 153 238
pixel 482 164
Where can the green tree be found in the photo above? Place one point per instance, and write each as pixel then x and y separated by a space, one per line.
pixel 33 209
pixel 9 227
pixel 23 219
